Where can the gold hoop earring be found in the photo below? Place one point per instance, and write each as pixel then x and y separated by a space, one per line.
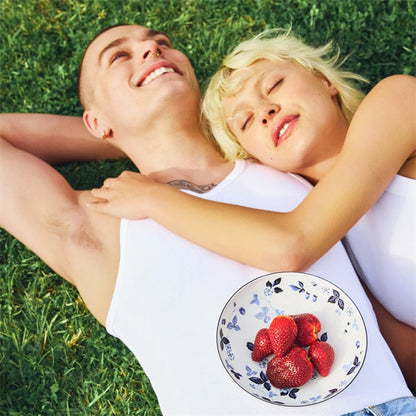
pixel 104 136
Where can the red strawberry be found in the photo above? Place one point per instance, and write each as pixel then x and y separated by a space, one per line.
pixel 292 370
pixel 322 356
pixel 262 345
pixel 308 328
pixel 282 333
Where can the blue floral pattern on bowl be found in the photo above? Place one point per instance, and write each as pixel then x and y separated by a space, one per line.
pixel 256 304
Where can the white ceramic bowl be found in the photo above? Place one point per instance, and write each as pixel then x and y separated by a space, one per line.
pixel 255 305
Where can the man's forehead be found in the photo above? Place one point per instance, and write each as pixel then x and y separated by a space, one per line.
pixel 116 33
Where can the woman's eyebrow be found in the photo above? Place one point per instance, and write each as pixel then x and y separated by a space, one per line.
pixel 242 104
pixel 236 110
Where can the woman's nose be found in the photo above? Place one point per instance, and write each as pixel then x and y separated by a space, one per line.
pixel 268 113
pixel 152 50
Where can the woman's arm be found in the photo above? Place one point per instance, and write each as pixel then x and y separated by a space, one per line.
pixel 401 339
pixel 54 138
pixel 380 140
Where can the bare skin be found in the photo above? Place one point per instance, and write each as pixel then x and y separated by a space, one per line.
pixel 55 139
pixel 401 339
pixel 41 209
pixel 340 198
pixel 79 243
pixel 48 216
pixel 293 241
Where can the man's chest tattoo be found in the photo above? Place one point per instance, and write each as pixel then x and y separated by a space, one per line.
pixel 200 189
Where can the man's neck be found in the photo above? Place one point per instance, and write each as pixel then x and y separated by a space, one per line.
pixel 201 176
pixel 185 161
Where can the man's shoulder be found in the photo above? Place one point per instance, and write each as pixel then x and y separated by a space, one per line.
pixel 258 186
pixel 257 172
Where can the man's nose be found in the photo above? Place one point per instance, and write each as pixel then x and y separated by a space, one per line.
pixel 268 113
pixel 151 50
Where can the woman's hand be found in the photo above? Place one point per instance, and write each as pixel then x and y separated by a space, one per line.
pixel 126 196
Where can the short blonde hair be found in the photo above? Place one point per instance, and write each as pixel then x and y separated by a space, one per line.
pixel 282 46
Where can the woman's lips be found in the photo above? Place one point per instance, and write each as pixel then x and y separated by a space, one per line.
pixel 283 129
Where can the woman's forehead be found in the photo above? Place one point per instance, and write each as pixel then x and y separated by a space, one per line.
pixel 247 76
pixel 260 66
pixel 253 74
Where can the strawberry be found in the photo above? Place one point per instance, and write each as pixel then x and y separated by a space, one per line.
pixel 292 370
pixel 282 333
pixel 262 345
pixel 322 356
pixel 308 328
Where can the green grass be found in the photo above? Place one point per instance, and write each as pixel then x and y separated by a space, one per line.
pixel 54 358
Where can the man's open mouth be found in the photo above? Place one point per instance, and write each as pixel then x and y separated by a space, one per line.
pixel 155 74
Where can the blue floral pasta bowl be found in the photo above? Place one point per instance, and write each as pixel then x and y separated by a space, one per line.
pixel 255 305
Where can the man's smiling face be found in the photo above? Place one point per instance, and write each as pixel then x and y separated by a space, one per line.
pixel 134 73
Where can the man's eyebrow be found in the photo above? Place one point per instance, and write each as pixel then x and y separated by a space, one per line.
pixel 113 44
pixel 151 32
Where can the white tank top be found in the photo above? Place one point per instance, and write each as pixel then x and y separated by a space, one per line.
pixel 170 293
pixel 383 243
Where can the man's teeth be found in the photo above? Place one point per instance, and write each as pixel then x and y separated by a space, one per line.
pixel 283 129
pixel 156 73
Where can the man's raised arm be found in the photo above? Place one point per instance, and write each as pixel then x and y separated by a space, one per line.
pixel 55 138
pixel 37 206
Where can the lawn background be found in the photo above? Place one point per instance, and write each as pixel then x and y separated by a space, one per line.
pixel 54 358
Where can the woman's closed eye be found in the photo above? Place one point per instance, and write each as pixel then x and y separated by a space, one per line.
pixel 246 122
pixel 274 86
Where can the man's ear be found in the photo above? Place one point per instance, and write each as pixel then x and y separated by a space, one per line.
pixel 95 126
pixel 91 122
